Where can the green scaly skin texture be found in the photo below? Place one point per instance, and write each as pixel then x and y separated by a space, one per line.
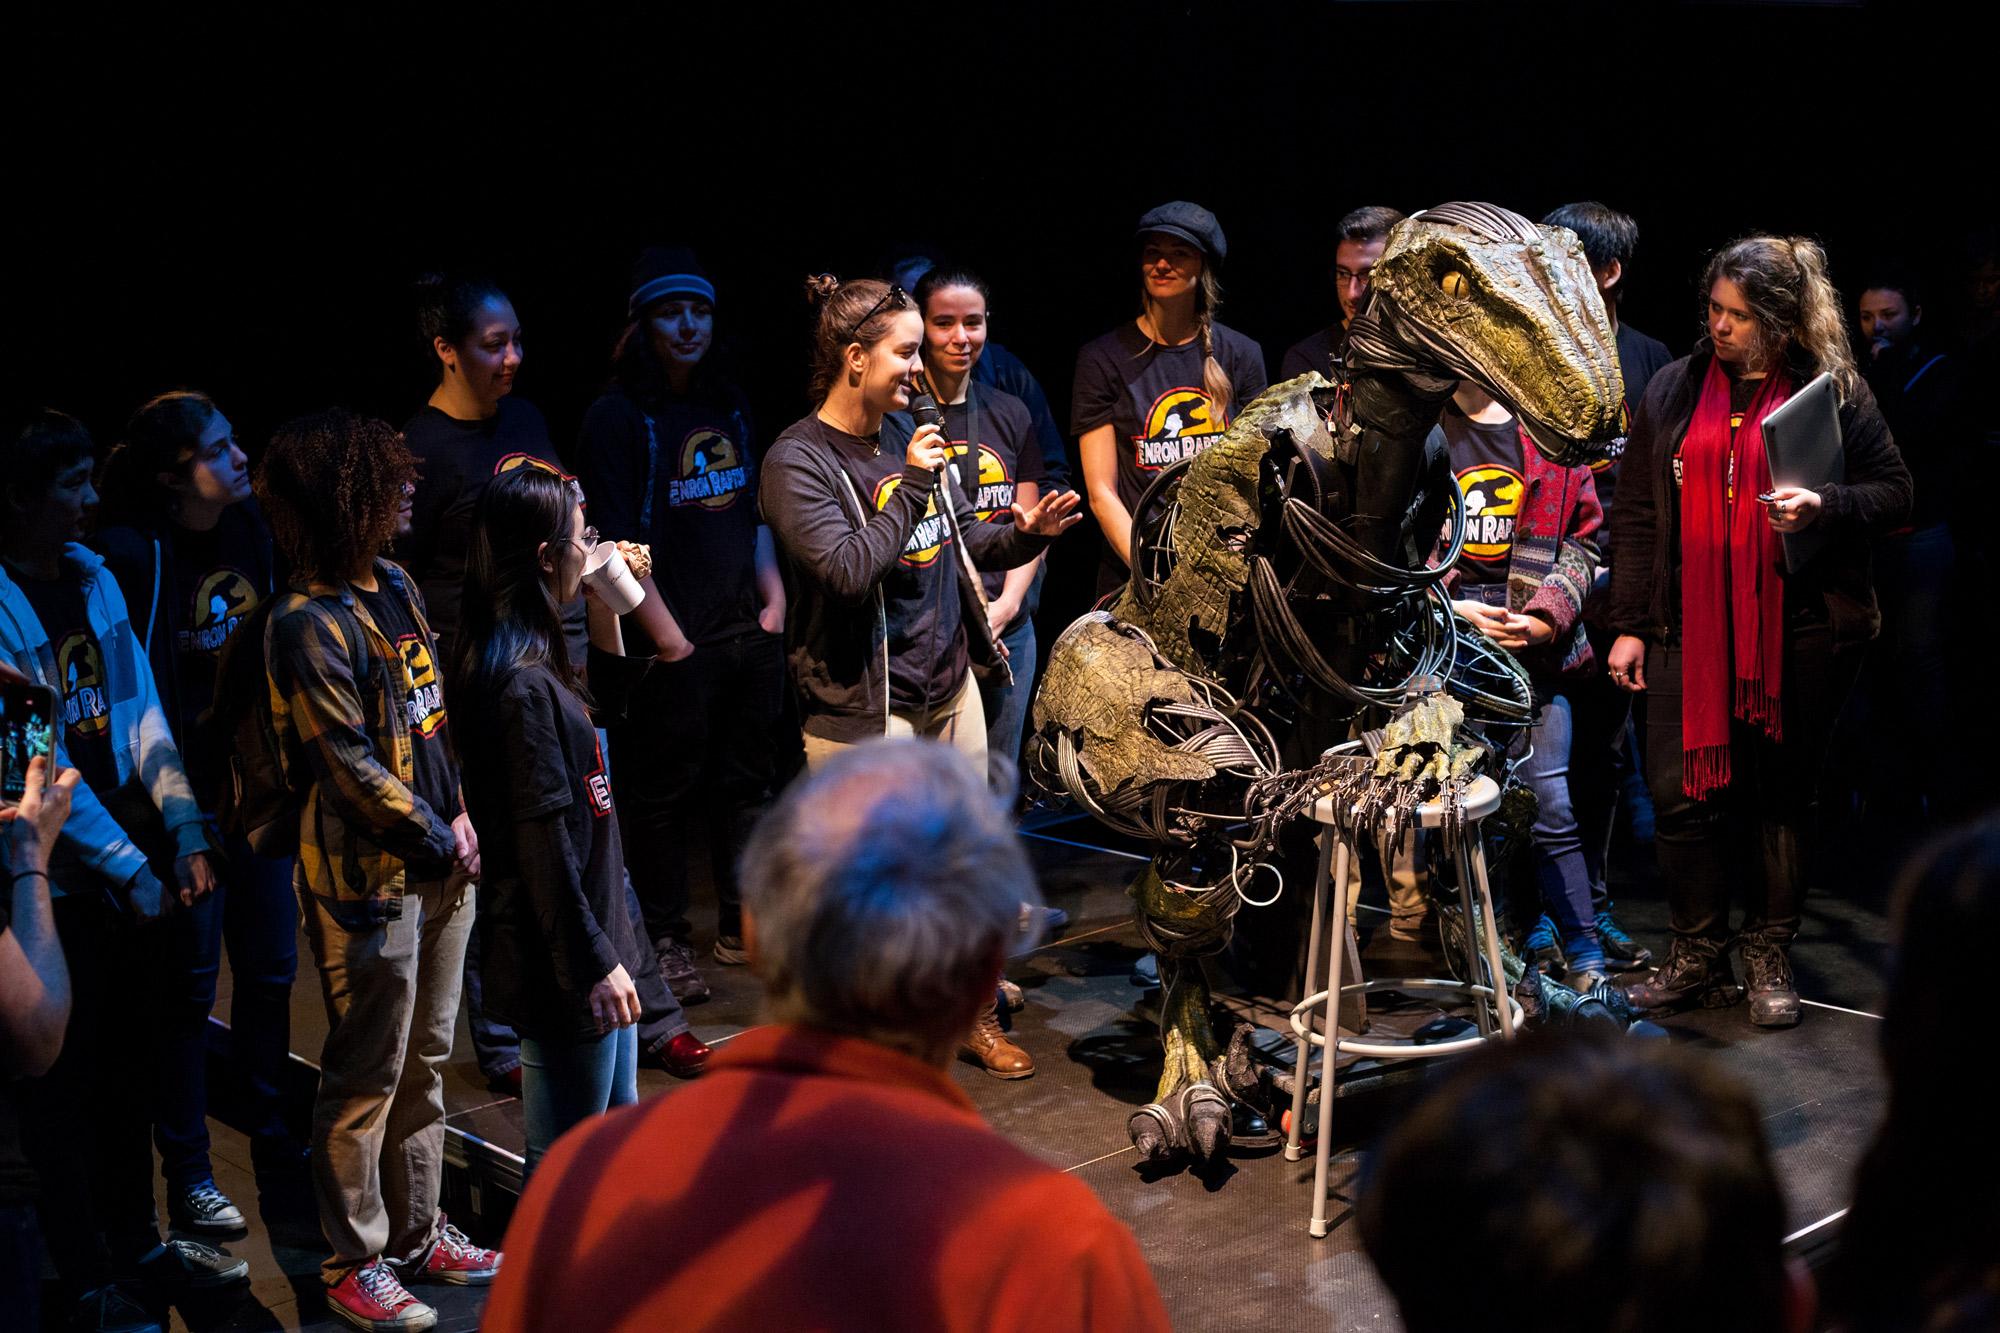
pixel 1191 1047
pixel 1218 497
pixel 1524 317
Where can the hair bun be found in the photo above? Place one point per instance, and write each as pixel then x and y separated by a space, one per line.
pixel 821 288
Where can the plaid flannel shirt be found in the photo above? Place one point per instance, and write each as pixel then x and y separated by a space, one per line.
pixel 364 834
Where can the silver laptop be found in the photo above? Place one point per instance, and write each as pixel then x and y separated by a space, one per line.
pixel 1802 444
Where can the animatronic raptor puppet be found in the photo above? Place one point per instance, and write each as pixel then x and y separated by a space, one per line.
pixel 1281 585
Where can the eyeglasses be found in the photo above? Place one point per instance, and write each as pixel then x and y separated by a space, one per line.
pixel 588 540
pixel 894 299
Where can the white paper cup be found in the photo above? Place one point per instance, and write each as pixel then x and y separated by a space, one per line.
pixel 605 570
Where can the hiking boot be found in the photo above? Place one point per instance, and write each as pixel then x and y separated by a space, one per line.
pixel 1622 953
pixel 729 951
pixel 1697 972
pixel 370 1297
pixel 189 1265
pixel 1774 999
pixel 678 971
pixel 1008 995
pixel 1543 949
pixel 203 1207
pixel 455 1259
pixel 994 1051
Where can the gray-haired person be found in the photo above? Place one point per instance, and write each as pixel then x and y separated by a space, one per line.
pixel 880 897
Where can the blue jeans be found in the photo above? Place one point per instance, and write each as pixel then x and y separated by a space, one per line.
pixel 564 1083
pixel 1007 711
pixel 1562 877
pixel 254 909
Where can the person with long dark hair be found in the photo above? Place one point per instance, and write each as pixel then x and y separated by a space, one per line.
pixel 998 462
pixel 667 459
pixel 191 552
pixel 1745 663
pixel 561 951
pixel 882 621
pixel 1164 387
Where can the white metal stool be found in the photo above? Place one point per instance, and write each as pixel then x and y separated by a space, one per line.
pixel 1497 1014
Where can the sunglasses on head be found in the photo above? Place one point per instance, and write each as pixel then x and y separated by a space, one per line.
pixel 894 299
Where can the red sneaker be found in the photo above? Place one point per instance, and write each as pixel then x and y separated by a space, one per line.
pixel 370 1297
pixel 455 1259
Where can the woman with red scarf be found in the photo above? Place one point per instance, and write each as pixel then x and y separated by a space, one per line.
pixel 1745 665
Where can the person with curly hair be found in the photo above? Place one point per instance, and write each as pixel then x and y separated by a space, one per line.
pixel 1745 663
pixel 387 861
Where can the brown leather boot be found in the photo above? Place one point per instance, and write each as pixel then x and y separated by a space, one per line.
pixel 991 1048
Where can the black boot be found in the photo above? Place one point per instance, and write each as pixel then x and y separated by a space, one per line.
pixel 1697 972
pixel 1774 998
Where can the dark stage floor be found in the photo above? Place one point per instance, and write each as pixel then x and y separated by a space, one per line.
pixel 1227 1249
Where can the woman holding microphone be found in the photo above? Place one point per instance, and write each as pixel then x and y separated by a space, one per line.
pixel 883 619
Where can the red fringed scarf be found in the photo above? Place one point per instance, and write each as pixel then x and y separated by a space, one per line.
pixel 1732 595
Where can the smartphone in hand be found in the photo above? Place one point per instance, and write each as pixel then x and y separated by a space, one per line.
pixel 27 729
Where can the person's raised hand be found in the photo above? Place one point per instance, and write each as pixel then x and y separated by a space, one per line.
pixel 1627 663
pixel 927 448
pixel 638 558
pixel 33 824
pixel 1052 515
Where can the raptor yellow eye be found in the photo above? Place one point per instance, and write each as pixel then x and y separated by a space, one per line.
pixel 1455 286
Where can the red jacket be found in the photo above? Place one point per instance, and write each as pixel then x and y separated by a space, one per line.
pixel 812 1181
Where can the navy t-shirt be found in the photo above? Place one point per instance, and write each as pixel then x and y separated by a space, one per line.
pixel 457 458
pixel 435 779
pixel 1153 398
pixel 1486 458
pixel 1312 353
pixel 680 476
pixel 80 676
pixel 998 427
pixel 1639 359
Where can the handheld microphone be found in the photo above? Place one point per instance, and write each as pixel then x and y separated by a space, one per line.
pixel 924 408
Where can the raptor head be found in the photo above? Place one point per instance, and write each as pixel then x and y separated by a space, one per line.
pixel 1472 291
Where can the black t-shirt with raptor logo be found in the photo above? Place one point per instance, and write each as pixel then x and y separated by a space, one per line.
pixel 85 690
pixel 1153 397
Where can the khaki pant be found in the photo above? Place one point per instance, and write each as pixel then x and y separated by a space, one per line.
pixel 378 1125
pixel 1408 904
pixel 959 721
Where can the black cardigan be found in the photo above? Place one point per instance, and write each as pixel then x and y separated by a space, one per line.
pixel 1874 499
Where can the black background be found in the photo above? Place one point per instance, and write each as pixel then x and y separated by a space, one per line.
pixel 238 202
